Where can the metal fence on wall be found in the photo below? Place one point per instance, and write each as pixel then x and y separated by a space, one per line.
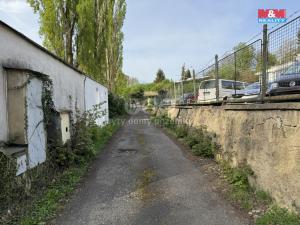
pixel 241 68
pixel 284 58
pixel 252 72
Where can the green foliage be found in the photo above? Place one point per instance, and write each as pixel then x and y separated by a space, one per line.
pixel 272 61
pixel 86 141
pixel 200 142
pixel 160 76
pixel 188 86
pixel 242 65
pixel 46 207
pixel 8 184
pixel 188 74
pixel 198 139
pixel 241 191
pixel 185 74
pixel 139 94
pixel 181 131
pixel 263 196
pixel 244 56
pixel 227 71
pixel 278 216
pixel 116 106
pixel 81 141
pixel 204 148
pixel 57 24
pixel 164 121
pixel 163 86
pixel 238 177
pixel 62 186
pixel 87 34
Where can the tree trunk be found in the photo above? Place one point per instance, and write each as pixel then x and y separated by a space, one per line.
pixel 69 47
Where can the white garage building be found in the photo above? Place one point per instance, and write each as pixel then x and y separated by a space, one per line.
pixel 23 67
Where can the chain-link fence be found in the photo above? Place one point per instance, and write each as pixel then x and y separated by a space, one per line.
pixel 252 72
pixel 283 62
pixel 206 85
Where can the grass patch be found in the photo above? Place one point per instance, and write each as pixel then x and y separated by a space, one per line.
pixel 46 208
pixel 54 197
pixel 142 192
pixel 240 189
pixel 278 216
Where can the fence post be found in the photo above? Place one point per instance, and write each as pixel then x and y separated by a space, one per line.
pixel 264 63
pixel 182 88
pixel 235 73
pixel 174 93
pixel 217 77
pixel 194 82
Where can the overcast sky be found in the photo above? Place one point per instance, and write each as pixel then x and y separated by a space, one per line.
pixel 167 33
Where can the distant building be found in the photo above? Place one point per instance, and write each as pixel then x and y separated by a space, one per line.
pixel 152 96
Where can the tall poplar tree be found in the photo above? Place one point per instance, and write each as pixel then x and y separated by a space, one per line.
pixel 87 34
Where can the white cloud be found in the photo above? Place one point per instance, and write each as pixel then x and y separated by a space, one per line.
pixel 13 6
pixel 19 15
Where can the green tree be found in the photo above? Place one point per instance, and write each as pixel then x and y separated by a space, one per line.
pixel 58 20
pixel 187 75
pixel 138 94
pixel 245 63
pixel 227 71
pixel 272 61
pixel 183 72
pixel 160 76
pixel 87 34
pixel 244 55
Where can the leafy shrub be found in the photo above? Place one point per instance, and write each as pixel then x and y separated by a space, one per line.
pixel 8 179
pixel 205 148
pixel 238 177
pixel 263 197
pixel 192 138
pixel 116 106
pixel 81 141
pixel 198 139
pixel 61 156
pixel 241 191
pixel 181 131
pixel 164 121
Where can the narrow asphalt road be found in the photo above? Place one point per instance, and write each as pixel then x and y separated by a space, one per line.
pixel 143 178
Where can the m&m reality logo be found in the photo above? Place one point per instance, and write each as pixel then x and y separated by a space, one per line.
pixel 271 15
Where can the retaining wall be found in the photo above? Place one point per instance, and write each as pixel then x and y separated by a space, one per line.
pixel 266 137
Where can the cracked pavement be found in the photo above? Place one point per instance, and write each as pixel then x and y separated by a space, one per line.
pixel 143 178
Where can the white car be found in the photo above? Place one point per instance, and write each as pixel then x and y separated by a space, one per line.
pixel 207 89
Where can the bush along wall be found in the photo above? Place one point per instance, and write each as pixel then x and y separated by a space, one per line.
pixel 116 106
pixel 258 203
pixel 8 184
pixel 18 195
pixel 200 141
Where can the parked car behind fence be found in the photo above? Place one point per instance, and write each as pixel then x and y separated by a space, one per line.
pixel 207 89
pixel 288 82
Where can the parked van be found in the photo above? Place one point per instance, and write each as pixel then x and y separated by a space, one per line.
pixel 207 89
